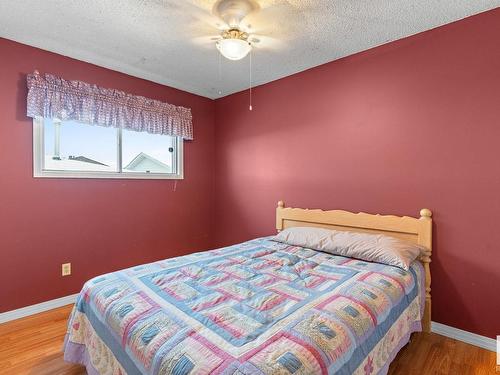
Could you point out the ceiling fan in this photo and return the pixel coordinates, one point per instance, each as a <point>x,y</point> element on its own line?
<point>234,43</point>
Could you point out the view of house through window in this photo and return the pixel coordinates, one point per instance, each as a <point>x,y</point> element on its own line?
<point>74,147</point>
<point>144,152</point>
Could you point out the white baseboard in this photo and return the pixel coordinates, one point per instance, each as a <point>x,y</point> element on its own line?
<point>38,308</point>
<point>465,336</point>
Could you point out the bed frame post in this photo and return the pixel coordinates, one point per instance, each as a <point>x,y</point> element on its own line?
<point>425,239</point>
<point>279,218</point>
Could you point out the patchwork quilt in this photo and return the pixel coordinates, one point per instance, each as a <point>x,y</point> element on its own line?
<point>260,307</point>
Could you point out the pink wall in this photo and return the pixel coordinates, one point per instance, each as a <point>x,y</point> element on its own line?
<point>97,225</point>
<point>408,125</point>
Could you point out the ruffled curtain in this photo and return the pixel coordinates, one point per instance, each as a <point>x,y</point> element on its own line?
<point>53,97</point>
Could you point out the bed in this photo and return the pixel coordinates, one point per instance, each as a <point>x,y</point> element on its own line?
<point>260,307</point>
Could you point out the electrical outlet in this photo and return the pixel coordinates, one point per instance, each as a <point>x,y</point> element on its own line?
<point>66,269</point>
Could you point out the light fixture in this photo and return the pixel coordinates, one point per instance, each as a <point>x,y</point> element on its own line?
<point>234,44</point>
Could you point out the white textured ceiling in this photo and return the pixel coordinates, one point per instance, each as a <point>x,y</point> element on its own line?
<point>169,42</point>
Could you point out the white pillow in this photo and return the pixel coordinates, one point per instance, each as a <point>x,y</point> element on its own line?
<point>370,247</point>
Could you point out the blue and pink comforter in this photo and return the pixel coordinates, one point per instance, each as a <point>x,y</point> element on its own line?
<point>260,307</point>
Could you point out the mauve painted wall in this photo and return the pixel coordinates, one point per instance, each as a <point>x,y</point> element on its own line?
<point>97,225</point>
<point>407,125</point>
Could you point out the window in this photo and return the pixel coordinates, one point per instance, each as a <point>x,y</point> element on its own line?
<point>75,150</point>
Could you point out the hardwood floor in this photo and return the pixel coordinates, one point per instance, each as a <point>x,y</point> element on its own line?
<point>33,345</point>
<point>430,353</point>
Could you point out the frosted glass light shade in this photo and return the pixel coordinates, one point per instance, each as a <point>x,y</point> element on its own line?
<point>233,49</point>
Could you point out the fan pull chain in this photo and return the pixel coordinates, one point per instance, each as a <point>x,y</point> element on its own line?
<point>250,106</point>
<point>220,73</point>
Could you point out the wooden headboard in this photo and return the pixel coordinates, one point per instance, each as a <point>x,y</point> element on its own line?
<point>416,230</point>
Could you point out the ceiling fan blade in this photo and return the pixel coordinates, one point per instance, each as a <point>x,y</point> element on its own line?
<point>234,11</point>
<point>207,41</point>
<point>266,28</point>
<point>264,42</point>
<point>277,20</point>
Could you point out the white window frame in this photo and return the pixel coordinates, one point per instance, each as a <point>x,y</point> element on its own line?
<point>39,156</point>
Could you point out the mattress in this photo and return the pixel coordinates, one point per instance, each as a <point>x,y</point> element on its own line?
<point>259,307</point>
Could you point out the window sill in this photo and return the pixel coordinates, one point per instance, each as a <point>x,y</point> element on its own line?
<point>108,175</point>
